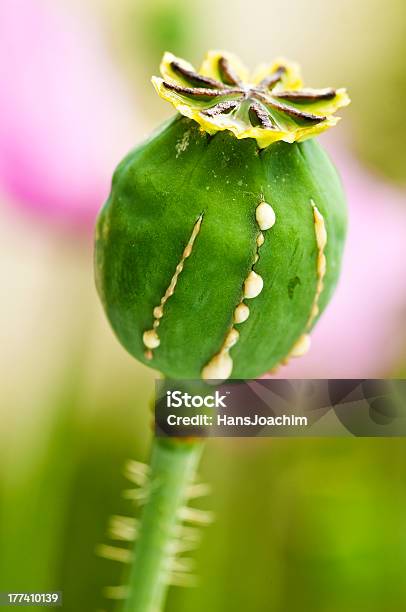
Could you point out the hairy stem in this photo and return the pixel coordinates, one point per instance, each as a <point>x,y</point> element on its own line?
<point>173,466</point>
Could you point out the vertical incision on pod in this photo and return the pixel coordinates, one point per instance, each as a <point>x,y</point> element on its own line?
<point>150,337</point>
<point>220,366</point>
<point>302,345</point>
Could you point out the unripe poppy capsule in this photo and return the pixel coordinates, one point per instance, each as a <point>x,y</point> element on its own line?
<point>220,244</point>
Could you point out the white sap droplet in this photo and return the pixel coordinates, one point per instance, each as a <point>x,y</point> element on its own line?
<point>241,313</point>
<point>150,339</point>
<point>218,368</point>
<point>231,339</point>
<point>321,265</point>
<point>321,240</point>
<point>260,239</point>
<point>253,285</point>
<point>301,347</point>
<point>158,312</point>
<point>320,228</point>
<point>265,216</point>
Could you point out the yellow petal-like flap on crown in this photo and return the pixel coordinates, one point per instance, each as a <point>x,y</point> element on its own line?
<point>269,105</point>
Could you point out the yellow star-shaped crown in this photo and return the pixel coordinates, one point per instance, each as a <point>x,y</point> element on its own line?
<point>269,105</point>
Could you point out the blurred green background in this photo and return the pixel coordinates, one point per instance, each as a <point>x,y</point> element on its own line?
<point>310,525</point>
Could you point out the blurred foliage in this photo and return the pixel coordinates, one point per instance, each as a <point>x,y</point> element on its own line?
<point>313,525</point>
<point>165,24</point>
<point>303,525</point>
<point>379,90</point>
<point>141,31</point>
<point>56,505</point>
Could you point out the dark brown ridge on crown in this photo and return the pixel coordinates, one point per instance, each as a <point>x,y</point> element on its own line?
<point>228,75</point>
<point>194,77</point>
<point>271,80</point>
<point>304,96</point>
<point>220,108</point>
<point>200,91</point>
<point>261,116</point>
<point>289,110</point>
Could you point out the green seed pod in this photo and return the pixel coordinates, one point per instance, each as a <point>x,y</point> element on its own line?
<point>221,241</point>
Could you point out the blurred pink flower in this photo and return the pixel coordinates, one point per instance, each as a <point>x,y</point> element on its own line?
<point>65,119</point>
<point>362,332</point>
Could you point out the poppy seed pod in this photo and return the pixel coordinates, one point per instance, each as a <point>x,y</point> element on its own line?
<point>220,244</point>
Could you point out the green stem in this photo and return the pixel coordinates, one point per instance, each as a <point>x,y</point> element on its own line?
<point>173,466</point>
